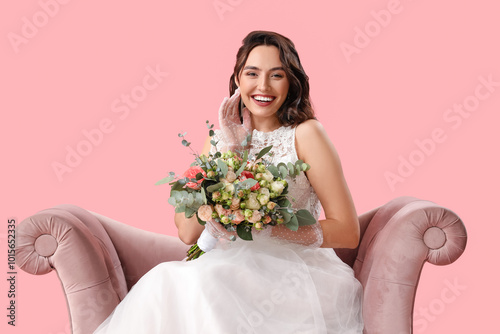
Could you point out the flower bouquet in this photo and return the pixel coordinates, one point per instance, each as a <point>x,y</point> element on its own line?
<point>237,190</point>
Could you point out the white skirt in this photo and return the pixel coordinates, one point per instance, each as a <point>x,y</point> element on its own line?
<point>241,287</point>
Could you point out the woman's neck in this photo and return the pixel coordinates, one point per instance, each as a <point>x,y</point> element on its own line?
<point>267,124</point>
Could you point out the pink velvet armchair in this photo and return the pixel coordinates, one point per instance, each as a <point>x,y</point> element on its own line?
<point>98,259</point>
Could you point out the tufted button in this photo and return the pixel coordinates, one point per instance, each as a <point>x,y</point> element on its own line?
<point>434,237</point>
<point>45,245</point>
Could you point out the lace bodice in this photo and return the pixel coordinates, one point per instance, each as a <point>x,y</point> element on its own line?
<point>300,191</point>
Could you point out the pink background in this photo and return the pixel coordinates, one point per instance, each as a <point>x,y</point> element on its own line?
<point>64,77</point>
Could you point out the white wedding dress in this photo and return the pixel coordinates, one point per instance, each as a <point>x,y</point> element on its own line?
<point>279,283</point>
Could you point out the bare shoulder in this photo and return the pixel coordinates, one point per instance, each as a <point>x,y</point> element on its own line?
<point>311,138</point>
<point>308,128</point>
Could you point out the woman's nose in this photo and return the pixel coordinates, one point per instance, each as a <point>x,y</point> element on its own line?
<point>263,84</point>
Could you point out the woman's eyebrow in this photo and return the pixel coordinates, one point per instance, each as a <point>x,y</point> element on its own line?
<point>249,67</point>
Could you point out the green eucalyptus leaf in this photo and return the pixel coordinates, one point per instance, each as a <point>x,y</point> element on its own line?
<point>298,166</point>
<point>200,221</point>
<point>263,152</point>
<point>291,168</point>
<point>176,194</point>
<point>244,232</point>
<point>286,216</point>
<point>246,184</point>
<point>247,139</point>
<point>305,218</point>
<point>189,212</point>
<point>284,203</point>
<point>165,180</point>
<point>274,170</point>
<point>176,186</point>
<point>293,224</point>
<point>203,195</point>
<point>189,200</point>
<point>180,208</point>
<point>283,170</point>
<point>245,158</point>
<point>215,187</point>
<point>243,163</point>
<point>223,167</point>
<point>211,133</point>
<point>241,169</point>
<point>172,201</point>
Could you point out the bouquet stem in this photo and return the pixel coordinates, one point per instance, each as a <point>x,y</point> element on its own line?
<point>194,252</point>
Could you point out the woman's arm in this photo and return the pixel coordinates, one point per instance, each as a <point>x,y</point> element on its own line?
<point>189,230</point>
<point>341,226</point>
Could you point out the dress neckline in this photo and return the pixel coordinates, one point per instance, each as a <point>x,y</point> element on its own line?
<point>283,127</point>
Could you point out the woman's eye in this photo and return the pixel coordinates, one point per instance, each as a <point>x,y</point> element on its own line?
<point>251,74</point>
<point>277,75</point>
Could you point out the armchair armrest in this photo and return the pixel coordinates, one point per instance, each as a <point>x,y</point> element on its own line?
<point>77,244</point>
<point>140,250</point>
<point>401,236</point>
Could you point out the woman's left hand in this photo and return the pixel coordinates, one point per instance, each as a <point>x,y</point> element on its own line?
<point>233,130</point>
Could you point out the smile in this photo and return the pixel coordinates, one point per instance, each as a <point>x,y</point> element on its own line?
<point>263,100</point>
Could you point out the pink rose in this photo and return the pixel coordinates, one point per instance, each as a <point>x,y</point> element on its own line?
<point>235,203</point>
<point>191,174</point>
<point>205,212</point>
<point>221,211</point>
<point>238,217</point>
<point>256,216</point>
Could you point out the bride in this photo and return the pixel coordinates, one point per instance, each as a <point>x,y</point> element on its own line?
<point>283,281</point>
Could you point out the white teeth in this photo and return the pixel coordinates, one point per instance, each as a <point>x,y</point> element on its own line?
<point>263,99</point>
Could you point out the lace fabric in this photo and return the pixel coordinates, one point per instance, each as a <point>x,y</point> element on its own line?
<point>300,191</point>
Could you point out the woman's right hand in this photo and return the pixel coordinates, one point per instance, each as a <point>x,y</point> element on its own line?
<point>217,230</point>
<point>234,132</point>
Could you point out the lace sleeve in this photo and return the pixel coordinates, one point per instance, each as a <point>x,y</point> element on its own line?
<point>311,235</point>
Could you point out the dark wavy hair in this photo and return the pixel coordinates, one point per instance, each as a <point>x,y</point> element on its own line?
<point>297,106</point>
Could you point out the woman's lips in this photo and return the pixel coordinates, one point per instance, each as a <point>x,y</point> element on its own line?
<point>263,100</point>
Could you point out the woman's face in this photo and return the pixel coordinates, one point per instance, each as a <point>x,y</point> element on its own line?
<point>263,82</point>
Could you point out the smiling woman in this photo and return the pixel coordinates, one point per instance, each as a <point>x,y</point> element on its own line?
<point>263,87</point>
<point>282,281</point>
<point>284,69</point>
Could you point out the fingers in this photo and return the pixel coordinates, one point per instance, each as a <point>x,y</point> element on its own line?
<point>229,108</point>
<point>218,231</point>
<point>232,108</point>
<point>222,110</point>
<point>247,120</point>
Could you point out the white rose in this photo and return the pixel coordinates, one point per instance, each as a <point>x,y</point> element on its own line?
<point>277,187</point>
<point>263,196</point>
<point>251,202</point>
<point>229,187</point>
<point>268,176</point>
